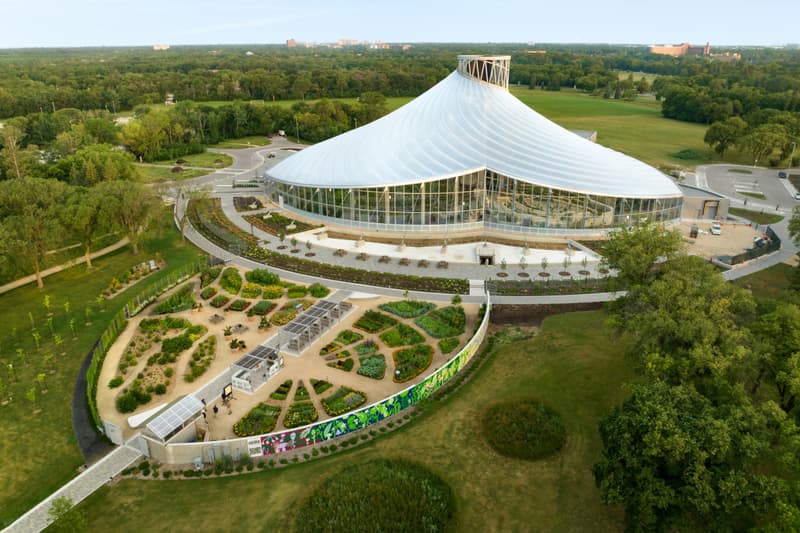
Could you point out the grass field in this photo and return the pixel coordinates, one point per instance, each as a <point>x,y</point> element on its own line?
<point>767,283</point>
<point>244,142</point>
<point>756,216</point>
<point>39,450</point>
<point>206,159</point>
<point>157,174</point>
<point>575,365</point>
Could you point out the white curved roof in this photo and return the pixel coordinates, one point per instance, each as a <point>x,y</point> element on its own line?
<point>462,125</point>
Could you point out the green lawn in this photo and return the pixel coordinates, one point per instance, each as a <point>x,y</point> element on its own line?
<point>767,283</point>
<point>40,453</point>
<point>206,159</point>
<point>157,174</point>
<point>244,142</point>
<point>575,365</point>
<point>756,216</point>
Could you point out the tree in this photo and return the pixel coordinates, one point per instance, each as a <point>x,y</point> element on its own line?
<point>128,206</point>
<point>83,215</point>
<point>11,155</point>
<point>761,142</point>
<point>66,518</point>
<point>678,462</point>
<point>777,342</point>
<point>633,250</point>
<point>722,135</point>
<point>29,219</point>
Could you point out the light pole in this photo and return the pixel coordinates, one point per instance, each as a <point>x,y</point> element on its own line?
<point>791,157</point>
<point>297,129</point>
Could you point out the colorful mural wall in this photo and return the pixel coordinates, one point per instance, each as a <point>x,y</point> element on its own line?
<point>372,414</point>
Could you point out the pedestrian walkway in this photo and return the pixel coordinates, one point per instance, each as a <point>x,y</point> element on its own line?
<point>58,268</point>
<point>79,488</point>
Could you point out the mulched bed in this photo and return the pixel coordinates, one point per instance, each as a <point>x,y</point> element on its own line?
<point>523,275</point>
<point>544,274</point>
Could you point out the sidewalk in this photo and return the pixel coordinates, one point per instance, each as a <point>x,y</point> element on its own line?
<point>58,268</point>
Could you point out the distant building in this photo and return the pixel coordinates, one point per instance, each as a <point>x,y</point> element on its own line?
<point>683,49</point>
<point>160,47</point>
<point>170,99</point>
<point>291,43</point>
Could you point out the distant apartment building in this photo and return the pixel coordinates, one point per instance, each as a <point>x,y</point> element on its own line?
<point>683,49</point>
<point>160,47</point>
<point>291,43</point>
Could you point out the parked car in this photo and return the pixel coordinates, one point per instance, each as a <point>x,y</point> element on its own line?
<point>783,174</point>
<point>716,229</point>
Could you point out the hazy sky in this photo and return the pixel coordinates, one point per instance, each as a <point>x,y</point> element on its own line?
<point>36,23</point>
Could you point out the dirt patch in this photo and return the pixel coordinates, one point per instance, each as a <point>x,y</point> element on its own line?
<point>533,315</point>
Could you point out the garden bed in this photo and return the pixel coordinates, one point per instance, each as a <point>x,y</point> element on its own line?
<point>373,366</point>
<point>367,347</point>
<point>239,305</point>
<point>343,400</point>
<point>320,385</point>
<point>348,336</point>
<point>220,301</point>
<point>329,348</point>
<point>444,322</point>
<point>402,335</point>
<point>374,322</point>
<point>231,280</point>
<point>208,292</point>
<point>449,344</point>
<point>180,300</point>
<point>346,364</point>
<point>301,393</point>
<point>282,391</point>
<point>411,362</point>
<point>201,359</point>
<point>261,419</point>
<point>208,276</point>
<point>300,414</point>
<point>275,223</point>
<point>407,308</point>
<point>262,308</point>
<point>251,290</point>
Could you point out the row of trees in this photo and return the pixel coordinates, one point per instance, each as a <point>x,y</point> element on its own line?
<point>36,213</point>
<point>708,439</point>
<point>760,135</point>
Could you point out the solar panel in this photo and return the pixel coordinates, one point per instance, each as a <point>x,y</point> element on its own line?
<point>175,416</point>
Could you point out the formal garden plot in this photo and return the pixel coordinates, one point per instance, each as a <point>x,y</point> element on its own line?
<point>261,419</point>
<point>348,336</point>
<point>445,322</point>
<point>374,322</point>
<point>251,290</point>
<point>345,364</point>
<point>407,308</point>
<point>378,495</point>
<point>180,300</point>
<point>296,291</point>
<point>320,385</point>
<point>449,344</point>
<point>301,393</point>
<point>201,359</point>
<point>411,362</point>
<point>220,301</point>
<point>231,281</point>
<point>330,348</point>
<point>367,347</point>
<point>402,335</point>
<point>300,414</point>
<point>262,308</point>
<point>338,355</point>
<point>272,292</point>
<point>208,292</point>
<point>132,276</point>
<point>149,334</point>
<point>318,290</point>
<point>239,305</point>
<point>282,391</point>
<point>209,275</point>
<point>523,429</point>
<point>278,224</point>
<point>343,400</point>
<point>263,277</point>
<point>373,366</point>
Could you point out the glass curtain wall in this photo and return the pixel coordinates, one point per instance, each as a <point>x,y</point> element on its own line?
<point>482,198</point>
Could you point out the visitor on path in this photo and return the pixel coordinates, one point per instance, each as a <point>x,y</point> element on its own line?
<point>216,410</point>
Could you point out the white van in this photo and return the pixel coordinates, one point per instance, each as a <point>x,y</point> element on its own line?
<point>716,229</point>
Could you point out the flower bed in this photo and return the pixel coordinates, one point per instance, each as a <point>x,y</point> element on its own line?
<point>180,300</point>
<point>348,336</point>
<point>320,385</point>
<point>300,414</point>
<point>246,203</point>
<point>374,321</point>
<point>207,217</point>
<point>283,317</point>
<point>133,275</point>
<point>330,348</point>
<point>275,223</point>
<point>220,301</point>
<point>261,419</point>
<point>251,290</point>
<point>208,276</point>
<point>448,345</point>
<point>272,292</point>
<point>343,400</point>
<point>366,348</point>
<point>343,364</point>
<point>262,276</point>
<point>402,335</point>
<point>373,366</point>
<point>445,322</point>
<point>411,362</point>
<point>239,305</point>
<point>407,308</point>
<point>282,391</point>
<point>318,290</point>
<point>201,359</point>
<point>208,292</point>
<point>301,393</point>
<point>231,281</point>
<point>262,308</point>
<point>296,291</point>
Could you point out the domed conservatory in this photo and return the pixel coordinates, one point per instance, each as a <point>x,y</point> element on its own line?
<point>467,155</point>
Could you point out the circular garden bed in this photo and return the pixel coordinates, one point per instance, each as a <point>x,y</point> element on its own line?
<point>523,275</point>
<point>564,273</point>
<point>523,429</point>
<point>378,495</point>
<point>544,274</point>
<point>310,254</point>
<point>584,272</point>
<point>502,274</point>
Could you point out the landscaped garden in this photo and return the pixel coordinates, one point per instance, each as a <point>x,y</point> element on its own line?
<point>282,391</point>
<point>411,362</point>
<point>443,322</point>
<point>343,400</point>
<point>374,322</point>
<point>300,414</point>
<point>277,224</point>
<point>373,366</point>
<point>407,308</point>
<point>201,359</point>
<point>261,419</point>
<point>348,336</point>
<point>401,335</point>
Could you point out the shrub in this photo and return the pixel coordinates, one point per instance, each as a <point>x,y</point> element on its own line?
<point>402,335</point>
<point>201,359</point>
<point>318,290</point>
<point>373,367</point>
<point>272,292</point>
<point>300,414</point>
<point>445,322</point>
<point>262,276</point>
<point>231,281</point>
<point>251,290</point>
<point>448,345</point>
<point>407,308</point>
<point>161,389</point>
<point>343,364</point>
<point>410,362</point>
<point>348,336</point>
<point>343,400</point>
<point>220,301</point>
<point>208,292</point>
<point>523,429</point>
<point>374,321</point>
<point>208,276</point>
<point>175,345</point>
<point>115,382</point>
<point>296,291</point>
<point>263,307</point>
<point>126,403</point>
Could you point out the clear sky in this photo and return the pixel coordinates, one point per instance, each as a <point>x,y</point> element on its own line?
<point>47,23</point>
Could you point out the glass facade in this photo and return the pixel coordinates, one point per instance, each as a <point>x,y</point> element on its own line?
<point>480,199</point>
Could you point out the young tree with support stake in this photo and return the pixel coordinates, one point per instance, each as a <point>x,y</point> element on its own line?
<point>130,207</point>
<point>83,215</point>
